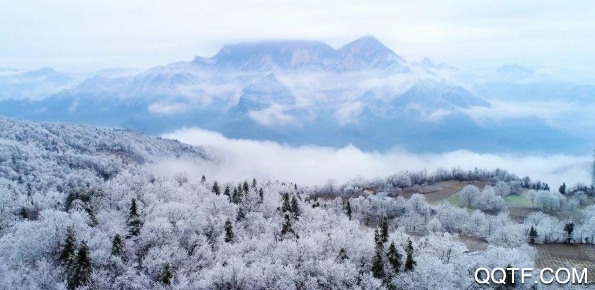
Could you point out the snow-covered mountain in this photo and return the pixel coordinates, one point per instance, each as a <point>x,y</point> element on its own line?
<point>366,53</point>
<point>304,92</point>
<point>34,85</point>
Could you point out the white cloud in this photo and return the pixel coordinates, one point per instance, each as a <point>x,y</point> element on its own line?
<point>242,159</point>
<point>274,114</point>
<point>573,118</point>
<point>348,113</point>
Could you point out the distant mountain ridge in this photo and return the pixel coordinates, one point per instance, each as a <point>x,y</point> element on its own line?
<point>366,53</point>
<point>303,92</point>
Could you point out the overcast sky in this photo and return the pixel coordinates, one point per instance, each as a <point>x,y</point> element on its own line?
<point>74,35</point>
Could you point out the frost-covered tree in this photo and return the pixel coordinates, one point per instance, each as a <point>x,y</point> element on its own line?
<point>469,194</point>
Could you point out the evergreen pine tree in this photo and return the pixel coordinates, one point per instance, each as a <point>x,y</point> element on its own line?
<point>215,188</point>
<point>295,187</point>
<point>117,245</point>
<point>235,197</point>
<point>92,218</point>
<point>562,188</point>
<point>254,184</point>
<point>384,230</point>
<point>295,209</point>
<point>394,257</point>
<point>286,206</point>
<point>378,264</point>
<point>203,180</point>
<point>227,191</point>
<point>532,235</point>
<point>261,194</point>
<point>377,239</point>
<point>409,262</point>
<point>246,188</point>
<point>241,215</point>
<point>508,281</point>
<point>79,273</point>
<point>166,275</point>
<point>348,209</point>
<point>229,236</point>
<point>569,228</point>
<point>286,227</point>
<point>67,253</point>
<point>343,255</point>
<point>23,213</point>
<point>134,223</point>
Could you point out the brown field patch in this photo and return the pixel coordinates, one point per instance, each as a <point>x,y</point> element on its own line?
<point>557,256</point>
<point>439,191</point>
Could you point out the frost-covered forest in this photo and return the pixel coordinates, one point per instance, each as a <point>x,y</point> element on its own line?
<point>80,210</point>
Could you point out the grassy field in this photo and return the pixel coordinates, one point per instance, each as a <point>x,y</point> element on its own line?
<point>518,201</point>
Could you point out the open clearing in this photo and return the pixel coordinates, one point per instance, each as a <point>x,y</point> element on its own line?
<point>441,191</point>
<point>556,256</point>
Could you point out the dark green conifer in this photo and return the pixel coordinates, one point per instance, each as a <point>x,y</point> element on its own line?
<point>295,209</point>
<point>117,245</point>
<point>215,188</point>
<point>286,206</point>
<point>384,230</point>
<point>378,265</point>
<point>245,187</point>
<point>166,275</point>
<point>79,272</point>
<point>227,191</point>
<point>134,222</point>
<point>229,235</point>
<point>409,262</point>
<point>394,257</point>
<point>348,210</point>
<point>67,253</point>
<point>343,255</point>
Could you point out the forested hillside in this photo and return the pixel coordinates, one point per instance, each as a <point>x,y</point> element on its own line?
<point>79,210</point>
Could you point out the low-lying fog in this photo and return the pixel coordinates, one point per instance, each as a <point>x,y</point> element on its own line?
<point>310,165</point>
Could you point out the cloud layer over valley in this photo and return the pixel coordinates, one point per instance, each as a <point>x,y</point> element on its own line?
<point>312,165</point>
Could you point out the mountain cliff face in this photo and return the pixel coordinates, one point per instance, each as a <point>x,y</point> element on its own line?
<point>299,92</point>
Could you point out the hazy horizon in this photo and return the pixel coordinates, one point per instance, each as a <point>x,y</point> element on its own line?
<point>476,36</point>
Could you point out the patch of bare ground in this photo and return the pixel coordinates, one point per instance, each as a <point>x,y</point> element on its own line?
<point>578,256</point>
<point>474,244</point>
<point>519,214</point>
<point>439,191</point>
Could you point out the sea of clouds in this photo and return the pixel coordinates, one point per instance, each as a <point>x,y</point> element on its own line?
<point>238,159</point>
